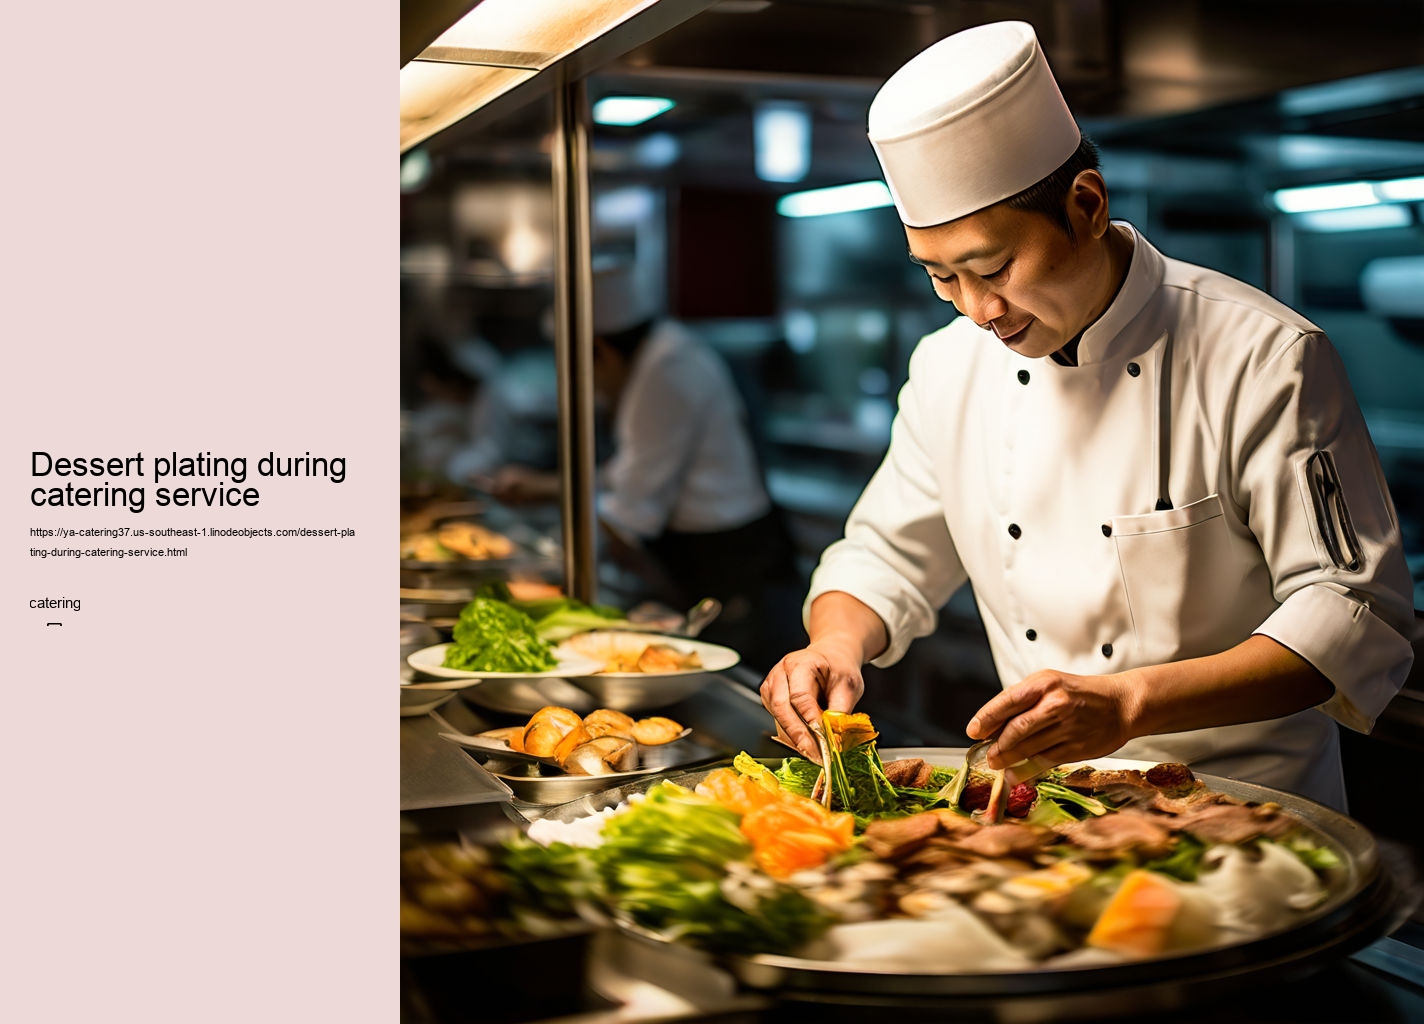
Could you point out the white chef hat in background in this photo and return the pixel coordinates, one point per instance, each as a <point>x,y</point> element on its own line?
<point>972,120</point>
<point>623,298</point>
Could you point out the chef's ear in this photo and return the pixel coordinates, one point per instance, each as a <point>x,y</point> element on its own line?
<point>1088,205</point>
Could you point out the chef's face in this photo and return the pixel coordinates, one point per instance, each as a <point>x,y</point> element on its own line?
<point>1019,274</point>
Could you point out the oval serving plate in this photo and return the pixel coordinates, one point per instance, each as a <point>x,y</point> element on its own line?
<point>714,657</point>
<point>644,691</point>
<point>430,660</point>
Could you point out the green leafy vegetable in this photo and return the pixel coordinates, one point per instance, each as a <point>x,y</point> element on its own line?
<point>1065,796</point>
<point>858,782</point>
<point>555,618</point>
<point>1047,813</point>
<point>798,775</point>
<point>676,862</point>
<point>491,636</point>
<point>553,881</point>
<point>1183,863</point>
<point>1314,856</point>
<point>747,765</point>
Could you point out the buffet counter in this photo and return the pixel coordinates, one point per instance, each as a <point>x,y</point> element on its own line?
<point>605,977</point>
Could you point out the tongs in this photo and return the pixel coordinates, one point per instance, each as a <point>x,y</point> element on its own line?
<point>953,790</point>
<point>822,789</point>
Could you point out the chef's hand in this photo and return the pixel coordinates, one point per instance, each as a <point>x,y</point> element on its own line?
<point>824,673</point>
<point>1057,718</point>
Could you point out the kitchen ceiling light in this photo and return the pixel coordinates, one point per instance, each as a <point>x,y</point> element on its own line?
<point>783,141</point>
<point>1348,195</point>
<point>1401,190</point>
<point>1360,218</point>
<point>627,111</point>
<point>498,45</point>
<point>818,202</point>
<point>1325,197</point>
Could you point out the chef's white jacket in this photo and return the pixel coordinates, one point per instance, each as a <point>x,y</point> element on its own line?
<point>1040,483</point>
<point>682,455</point>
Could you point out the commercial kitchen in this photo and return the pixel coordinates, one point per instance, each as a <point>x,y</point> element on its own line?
<point>706,165</point>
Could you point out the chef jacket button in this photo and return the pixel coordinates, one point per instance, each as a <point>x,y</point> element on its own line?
<point>1014,531</point>
<point>1023,376</point>
<point>1133,369</point>
<point>1032,634</point>
<point>1107,529</point>
<point>1107,650</point>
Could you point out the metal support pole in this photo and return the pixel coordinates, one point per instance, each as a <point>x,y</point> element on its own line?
<point>1280,259</point>
<point>573,340</point>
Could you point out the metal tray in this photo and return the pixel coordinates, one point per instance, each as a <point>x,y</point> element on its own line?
<point>1364,903</point>
<point>657,762</point>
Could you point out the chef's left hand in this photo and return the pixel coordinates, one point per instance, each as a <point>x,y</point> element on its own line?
<point>1057,718</point>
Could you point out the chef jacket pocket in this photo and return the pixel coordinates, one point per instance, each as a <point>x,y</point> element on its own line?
<point>1178,575</point>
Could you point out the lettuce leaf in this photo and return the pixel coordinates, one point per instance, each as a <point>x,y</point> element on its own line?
<point>676,863</point>
<point>555,618</point>
<point>491,636</point>
<point>1066,797</point>
<point>798,775</point>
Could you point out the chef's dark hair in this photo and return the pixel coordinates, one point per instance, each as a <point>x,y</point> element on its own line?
<point>1049,196</point>
<point>626,341</point>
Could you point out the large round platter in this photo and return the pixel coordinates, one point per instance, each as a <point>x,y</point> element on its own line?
<point>1363,904</point>
<point>430,660</point>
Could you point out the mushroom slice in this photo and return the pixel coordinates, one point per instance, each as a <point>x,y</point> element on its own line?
<point>576,737</point>
<point>656,731</point>
<point>602,756</point>
<point>513,736</point>
<point>606,721</point>
<point>547,728</point>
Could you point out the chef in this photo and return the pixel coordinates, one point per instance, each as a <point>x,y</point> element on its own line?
<point>1155,476</point>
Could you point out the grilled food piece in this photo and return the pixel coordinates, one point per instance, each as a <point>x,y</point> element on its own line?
<point>655,731</point>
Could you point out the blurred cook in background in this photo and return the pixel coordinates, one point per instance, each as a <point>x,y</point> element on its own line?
<point>682,498</point>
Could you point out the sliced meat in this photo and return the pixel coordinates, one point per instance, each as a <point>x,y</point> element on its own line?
<point>892,838</point>
<point>937,852</point>
<point>1172,779</point>
<point>1128,794</point>
<point>1124,832</point>
<point>1127,787</point>
<point>909,772</point>
<point>1200,797</point>
<point>1234,823</point>
<point>1021,841</point>
<point>954,824</point>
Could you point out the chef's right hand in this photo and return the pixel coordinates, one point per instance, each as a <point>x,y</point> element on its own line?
<point>826,673</point>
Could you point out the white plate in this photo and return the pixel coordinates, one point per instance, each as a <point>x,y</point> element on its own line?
<point>714,657</point>
<point>430,660</point>
<point>422,703</point>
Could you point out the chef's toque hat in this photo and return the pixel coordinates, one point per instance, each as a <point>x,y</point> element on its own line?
<point>622,299</point>
<point>974,119</point>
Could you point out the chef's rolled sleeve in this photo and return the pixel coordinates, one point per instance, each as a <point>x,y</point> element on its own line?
<point>1352,621</point>
<point>897,557</point>
<point>1362,655</point>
